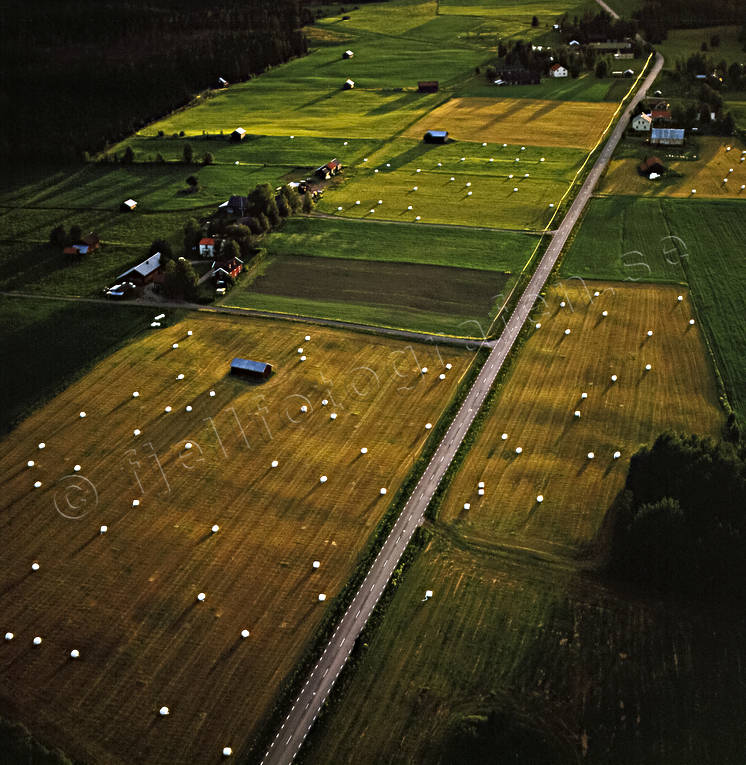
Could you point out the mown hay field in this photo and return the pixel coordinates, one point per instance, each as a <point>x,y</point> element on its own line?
<point>536,411</point>
<point>604,677</point>
<point>454,301</point>
<point>127,599</point>
<point>537,122</point>
<point>706,175</point>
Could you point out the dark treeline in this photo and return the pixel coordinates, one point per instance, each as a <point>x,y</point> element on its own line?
<point>658,16</point>
<point>82,74</point>
<point>682,522</point>
<point>597,27</point>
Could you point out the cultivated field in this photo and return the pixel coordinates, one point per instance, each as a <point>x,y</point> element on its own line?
<point>519,120</point>
<point>547,10</point>
<point>587,87</point>
<point>543,391</point>
<point>455,301</point>
<point>391,242</point>
<point>682,43</point>
<point>127,600</point>
<point>706,174</point>
<point>698,241</point>
<point>603,677</point>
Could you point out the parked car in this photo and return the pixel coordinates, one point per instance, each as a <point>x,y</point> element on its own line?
<point>119,291</point>
<point>220,287</point>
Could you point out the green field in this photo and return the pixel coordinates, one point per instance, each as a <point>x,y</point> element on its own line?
<point>46,344</point>
<point>700,242</point>
<point>584,88</point>
<point>389,242</point>
<point>404,295</point>
<point>682,43</point>
<point>548,11</point>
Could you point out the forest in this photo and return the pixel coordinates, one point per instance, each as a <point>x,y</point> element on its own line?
<point>81,75</point>
<point>658,16</point>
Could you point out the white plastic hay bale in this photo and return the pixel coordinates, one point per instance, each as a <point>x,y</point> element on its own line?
<point>538,325</point>
<point>441,376</point>
<point>519,450</point>
<point>562,304</point>
<point>307,338</point>
<point>324,402</point>
<point>428,594</point>
<point>727,148</point>
<point>75,654</point>
<point>304,408</point>
<point>82,415</point>
<point>584,395</point>
<point>492,159</point>
<point>424,370</point>
<point>30,463</point>
<point>345,143</point>
<point>617,455</point>
<point>36,640</point>
<point>316,564</point>
<point>480,492</point>
<point>515,188</point>
<point>504,436</point>
<point>135,503</point>
<point>388,164</point>
<point>227,751</point>
<point>505,146</point>
<point>694,191</point>
<point>463,159</point>
<point>591,455</point>
<point>449,365</point>
<point>135,394</point>
<point>743,186</point>
<point>650,333</point>
<point>614,378</point>
<point>215,528</point>
<point>76,468</point>
<point>468,193</point>
<point>42,445</point>
<point>9,636</point>
<point>730,169</point>
<point>103,530</point>
<point>452,178</point>
<point>440,164</point>
<point>380,201</point>
<point>467,506</point>
<point>577,413</point>
<point>180,376</point>
<point>604,314</point>
<point>510,177</point>
<point>540,498</point>
<point>333,416</point>
<point>523,148</point>
<point>37,484</point>
<point>567,331</point>
<point>167,409</point>
<point>323,479</point>
<point>484,144</point>
<point>414,188</point>
<point>691,322</point>
<point>526,175</point>
<point>551,204</point>
<point>201,597</point>
<point>340,208</point>
<point>245,633</point>
<point>189,333</point>
<point>468,184</point>
<point>480,485</point>
<point>596,293</point>
<point>376,170</point>
<point>275,463</point>
<point>428,425</point>
<point>175,346</point>
<point>648,367</point>
<point>300,350</point>
<point>136,432</point>
<point>409,207</point>
<point>680,298</point>
<point>302,358</point>
<point>383,490</point>
<point>188,407</point>
<point>364,450</point>
<point>417,217</point>
<point>164,711</point>
<point>357,201</point>
<point>542,159</point>
<point>322,597</point>
<point>35,566</point>
<point>188,445</point>
<point>371,210</point>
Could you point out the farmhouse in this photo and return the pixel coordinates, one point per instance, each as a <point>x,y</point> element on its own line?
<point>144,273</point>
<point>232,267</point>
<point>642,123</point>
<point>255,370</point>
<point>667,136</point>
<point>428,86</point>
<point>236,205</point>
<point>517,76</point>
<point>557,70</point>
<point>325,172</point>
<point>128,205</point>
<point>348,84</point>
<point>348,54</point>
<point>207,247</point>
<point>435,136</point>
<point>651,167</point>
<point>238,134</point>
<point>661,114</point>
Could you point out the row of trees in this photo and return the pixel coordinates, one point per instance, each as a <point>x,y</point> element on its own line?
<point>596,27</point>
<point>125,64</point>
<point>656,17</point>
<point>682,521</point>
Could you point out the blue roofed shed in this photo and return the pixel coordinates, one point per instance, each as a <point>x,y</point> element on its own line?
<point>435,136</point>
<point>258,370</point>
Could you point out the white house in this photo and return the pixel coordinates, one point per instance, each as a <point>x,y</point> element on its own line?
<point>557,70</point>
<point>207,247</point>
<point>642,123</point>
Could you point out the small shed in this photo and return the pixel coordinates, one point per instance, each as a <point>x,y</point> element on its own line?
<point>348,54</point>
<point>629,72</point>
<point>222,82</point>
<point>348,84</point>
<point>254,370</point>
<point>428,86</point>
<point>238,134</point>
<point>128,205</point>
<point>207,247</point>
<point>435,136</point>
<point>651,165</point>
<point>574,42</point>
<point>642,123</point>
<point>557,70</point>
<point>667,136</point>
<point>91,241</point>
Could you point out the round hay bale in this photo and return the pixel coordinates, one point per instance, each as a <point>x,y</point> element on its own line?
<point>245,633</point>
<point>35,566</point>
<point>164,711</point>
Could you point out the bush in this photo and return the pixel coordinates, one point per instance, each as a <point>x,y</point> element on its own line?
<point>188,153</point>
<point>208,158</point>
<point>58,236</point>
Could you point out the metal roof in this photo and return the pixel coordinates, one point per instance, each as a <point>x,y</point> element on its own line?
<point>144,268</point>
<point>667,134</point>
<point>249,366</point>
<point>438,133</point>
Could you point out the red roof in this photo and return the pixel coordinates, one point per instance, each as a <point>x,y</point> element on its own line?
<point>662,114</point>
<point>555,67</point>
<point>207,241</point>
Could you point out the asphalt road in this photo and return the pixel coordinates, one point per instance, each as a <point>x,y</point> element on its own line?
<point>305,709</point>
